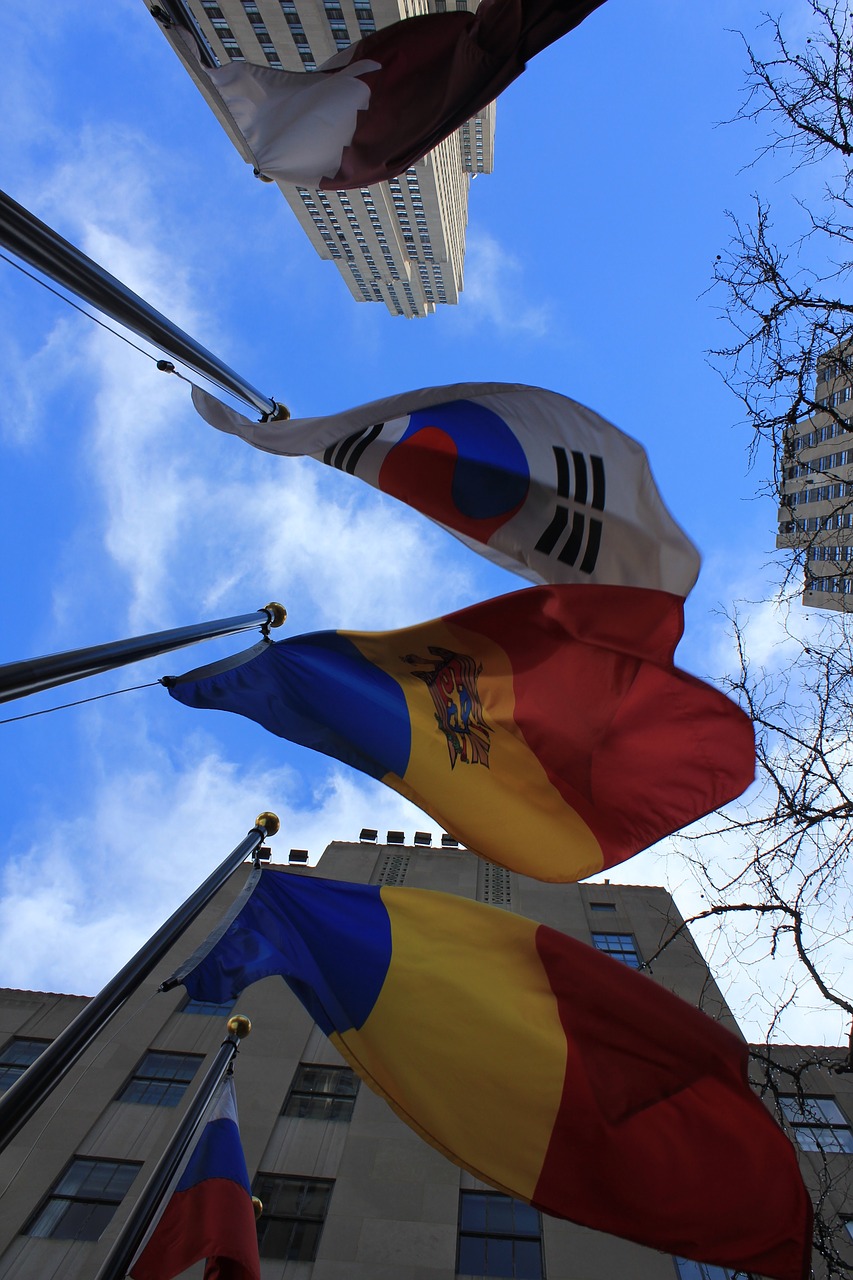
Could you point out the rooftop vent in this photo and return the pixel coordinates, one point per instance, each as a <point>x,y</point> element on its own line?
<point>298,855</point>
<point>368,833</point>
<point>423,837</point>
<point>396,837</point>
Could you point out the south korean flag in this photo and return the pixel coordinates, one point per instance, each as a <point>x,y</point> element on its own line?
<point>529,478</point>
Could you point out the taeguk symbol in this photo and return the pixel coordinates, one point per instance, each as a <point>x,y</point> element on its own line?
<point>461,464</point>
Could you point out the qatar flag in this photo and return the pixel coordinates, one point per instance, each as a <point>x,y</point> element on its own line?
<point>532,480</point>
<point>375,108</point>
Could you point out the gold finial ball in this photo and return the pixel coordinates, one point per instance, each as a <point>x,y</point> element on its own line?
<point>269,822</point>
<point>277,612</point>
<point>239,1025</point>
<point>258,1206</point>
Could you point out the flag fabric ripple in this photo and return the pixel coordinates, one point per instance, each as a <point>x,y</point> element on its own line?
<point>540,1065</point>
<point>381,104</point>
<point>548,729</point>
<point>210,1214</point>
<point>529,478</point>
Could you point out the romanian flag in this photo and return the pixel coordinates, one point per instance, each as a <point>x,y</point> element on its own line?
<point>210,1214</point>
<point>532,480</point>
<point>545,1068</point>
<point>381,104</point>
<point>548,730</point>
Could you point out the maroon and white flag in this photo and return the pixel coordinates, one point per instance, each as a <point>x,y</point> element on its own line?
<point>375,108</point>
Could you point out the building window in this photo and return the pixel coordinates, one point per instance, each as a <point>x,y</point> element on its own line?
<point>207,1007</point>
<point>688,1270</point>
<point>16,1056</point>
<point>393,868</point>
<point>294,1212</point>
<point>621,946</point>
<point>495,885</point>
<point>819,1124</point>
<point>498,1236</point>
<point>83,1200</point>
<point>322,1093</point>
<point>161,1079</point>
<point>602,906</point>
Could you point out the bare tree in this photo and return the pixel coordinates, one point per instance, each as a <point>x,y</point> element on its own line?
<point>790,303</point>
<point>776,874</point>
<point>776,871</point>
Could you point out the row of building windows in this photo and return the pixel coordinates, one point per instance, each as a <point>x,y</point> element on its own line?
<point>364,17</point>
<point>497,1235</point>
<point>817,524</point>
<point>833,586</point>
<point>831,553</point>
<point>827,463</point>
<point>297,32</point>
<point>263,36</point>
<point>819,435</point>
<point>841,396</point>
<point>819,493</point>
<point>833,368</point>
<point>223,32</point>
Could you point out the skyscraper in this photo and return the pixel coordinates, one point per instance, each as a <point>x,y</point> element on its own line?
<point>816,511</point>
<point>402,242</point>
<point>350,1192</point>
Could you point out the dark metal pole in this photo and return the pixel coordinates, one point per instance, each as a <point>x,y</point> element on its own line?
<point>43,248</point>
<point>123,1253</point>
<point>34,674</point>
<point>30,1090</point>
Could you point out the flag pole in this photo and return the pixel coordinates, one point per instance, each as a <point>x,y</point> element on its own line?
<point>31,1089</point>
<point>31,675</point>
<point>123,1253</point>
<point>24,235</point>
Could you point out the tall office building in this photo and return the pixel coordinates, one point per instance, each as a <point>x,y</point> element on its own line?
<point>400,242</point>
<point>349,1192</point>
<point>816,511</point>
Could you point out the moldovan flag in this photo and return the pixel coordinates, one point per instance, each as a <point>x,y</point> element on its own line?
<point>530,479</point>
<point>210,1214</point>
<point>376,107</point>
<point>547,729</point>
<point>543,1067</point>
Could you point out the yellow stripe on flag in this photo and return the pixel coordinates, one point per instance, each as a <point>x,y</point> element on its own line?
<point>433,1036</point>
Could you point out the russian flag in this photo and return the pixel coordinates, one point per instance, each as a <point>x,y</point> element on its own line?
<point>210,1214</point>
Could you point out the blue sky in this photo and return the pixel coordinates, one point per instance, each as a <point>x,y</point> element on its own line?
<point>590,252</point>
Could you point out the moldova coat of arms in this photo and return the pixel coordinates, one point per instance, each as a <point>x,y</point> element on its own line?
<point>452,682</point>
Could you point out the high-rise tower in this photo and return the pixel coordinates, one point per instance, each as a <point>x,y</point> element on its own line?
<point>400,242</point>
<point>816,511</point>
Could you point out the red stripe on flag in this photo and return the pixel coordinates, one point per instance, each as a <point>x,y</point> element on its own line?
<point>659,1138</point>
<point>641,748</point>
<point>212,1220</point>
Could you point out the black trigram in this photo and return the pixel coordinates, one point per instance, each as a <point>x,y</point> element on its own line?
<point>345,454</point>
<point>585,529</point>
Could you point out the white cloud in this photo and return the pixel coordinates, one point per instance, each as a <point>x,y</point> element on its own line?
<point>494,291</point>
<point>182,506</point>
<point>152,832</point>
